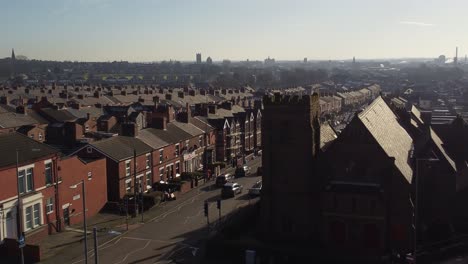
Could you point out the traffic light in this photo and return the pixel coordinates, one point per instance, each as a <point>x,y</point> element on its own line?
<point>206,208</point>
<point>218,204</point>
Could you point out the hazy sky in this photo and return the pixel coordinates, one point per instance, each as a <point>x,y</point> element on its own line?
<point>153,30</point>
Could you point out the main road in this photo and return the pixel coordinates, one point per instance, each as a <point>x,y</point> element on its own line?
<point>173,236</point>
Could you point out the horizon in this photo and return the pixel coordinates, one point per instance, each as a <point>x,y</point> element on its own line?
<point>103,30</point>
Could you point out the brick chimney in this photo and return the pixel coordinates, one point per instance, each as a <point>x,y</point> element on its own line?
<point>156,100</point>
<point>168,96</point>
<point>180,94</point>
<point>80,96</point>
<point>192,92</point>
<point>123,92</point>
<point>212,109</point>
<point>129,129</point>
<point>97,94</point>
<point>223,91</point>
<point>202,92</point>
<point>141,99</point>
<point>159,123</point>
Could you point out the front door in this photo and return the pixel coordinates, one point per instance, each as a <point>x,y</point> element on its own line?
<point>66,216</point>
<point>11,224</point>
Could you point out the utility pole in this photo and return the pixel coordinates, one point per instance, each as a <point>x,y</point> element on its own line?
<point>141,200</point>
<point>96,258</point>
<point>84,221</point>
<point>18,211</point>
<point>135,182</point>
<point>218,204</point>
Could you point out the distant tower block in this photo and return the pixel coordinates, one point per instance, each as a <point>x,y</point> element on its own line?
<point>305,60</point>
<point>198,58</point>
<point>13,57</point>
<point>209,60</point>
<point>354,60</point>
<point>455,60</point>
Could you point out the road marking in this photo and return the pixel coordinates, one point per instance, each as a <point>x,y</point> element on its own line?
<point>136,250</point>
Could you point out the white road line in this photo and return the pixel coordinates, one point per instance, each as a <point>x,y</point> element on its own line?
<point>136,250</point>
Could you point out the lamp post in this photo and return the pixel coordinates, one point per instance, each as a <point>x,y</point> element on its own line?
<point>83,191</point>
<point>416,213</point>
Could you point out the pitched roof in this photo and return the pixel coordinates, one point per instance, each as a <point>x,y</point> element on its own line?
<point>383,125</point>
<point>28,149</point>
<point>151,139</point>
<point>172,134</point>
<point>119,148</point>
<point>327,135</point>
<point>59,115</point>
<point>9,120</point>
<point>438,142</point>
<point>189,128</point>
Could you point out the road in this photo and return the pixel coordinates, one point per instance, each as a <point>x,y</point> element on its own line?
<point>175,235</point>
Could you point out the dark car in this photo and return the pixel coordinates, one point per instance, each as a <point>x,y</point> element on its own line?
<point>222,179</point>
<point>259,171</point>
<point>240,172</point>
<point>230,189</point>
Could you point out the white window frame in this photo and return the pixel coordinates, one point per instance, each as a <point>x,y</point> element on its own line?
<point>25,170</point>
<point>148,160</point>
<point>46,163</point>
<point>128,168</point>
<point>40,136</point>
<point>90,175</point>
<point>29,202</point>
<point>149,175</point>
<point>161,173</point>
<point>128,188</point>
<point>161,156</point>
<point>177,150</point>
<point>49,205</point>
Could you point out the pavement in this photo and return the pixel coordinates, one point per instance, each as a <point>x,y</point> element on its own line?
<point>173,232</point>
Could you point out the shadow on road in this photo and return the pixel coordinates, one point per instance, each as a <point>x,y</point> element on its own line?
<point>144,259</point>
<point>244,197</point>
<point>214,198</point>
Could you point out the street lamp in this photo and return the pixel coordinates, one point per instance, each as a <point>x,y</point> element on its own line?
<point>416,214</point>
<point>83,190</point>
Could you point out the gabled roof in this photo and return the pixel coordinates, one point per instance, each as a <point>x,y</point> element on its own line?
<point>383,125</point>
<point>59,115</point>
<point>28,149</point>
<point>189,128</point>
<point>439,144</point>
<point>151,139</point>
<point>172,134</point>
<point>327,135</point>
<point>120,148</point>
<point>10,120</point>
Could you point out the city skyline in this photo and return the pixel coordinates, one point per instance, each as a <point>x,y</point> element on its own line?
<point>102,30</point>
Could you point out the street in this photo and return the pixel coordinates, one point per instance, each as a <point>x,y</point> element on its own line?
<point>173,235</point>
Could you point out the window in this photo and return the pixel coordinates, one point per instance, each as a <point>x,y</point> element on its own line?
<point>28,217</point>
<point>21,181</point>
<point>90,175</point>
<point>31,136</point>
<point>161,156</point>
<point>149,179</point>
<point>148,161</point>
<point>127,168</point>
<point>187,144</point>
<point>29,180</point>
<point>161,174</point>
<point>177,149</point>
<point>48,173</point>
<point>40,136</point>
<point>177,168</point>
<point>200,141</point>
<point>37,214</point>
<point>49,205</point>
<point>128,185</point>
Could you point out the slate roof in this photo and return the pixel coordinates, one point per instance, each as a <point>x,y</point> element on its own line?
<point>383,125</point>
<point>11,120</point>
<point>59,115</point>
<point>28,149</point>
<point>189,128</point>
<point>150,138</point>
<point>327,135</point>
<point>120,148</point>
<point>172,134</point>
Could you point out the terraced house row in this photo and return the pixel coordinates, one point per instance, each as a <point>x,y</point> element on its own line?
<point>114,146</point>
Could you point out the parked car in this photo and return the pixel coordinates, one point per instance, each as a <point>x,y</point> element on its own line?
<point>230,189</point>
<point>247,170</point>
<point>222,179</point>
<point>259,171</point>
<point>256,189</point>
<point>240,172</point>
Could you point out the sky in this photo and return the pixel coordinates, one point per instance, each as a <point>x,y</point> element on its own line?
<point>156,30</point>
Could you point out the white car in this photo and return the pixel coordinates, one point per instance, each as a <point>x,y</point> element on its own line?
<point>256,189</point>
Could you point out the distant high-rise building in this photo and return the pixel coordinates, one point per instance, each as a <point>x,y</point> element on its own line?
<point>13,62</point>
<point>198,58</point>
<point>354,60</point>
<point>455,60</point>
<point>305,60</point>
<point>209,60</point>
<point>269,62</point>
<point>13,57</point>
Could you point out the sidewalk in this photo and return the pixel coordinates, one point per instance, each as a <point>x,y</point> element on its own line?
<point>110,226</point>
